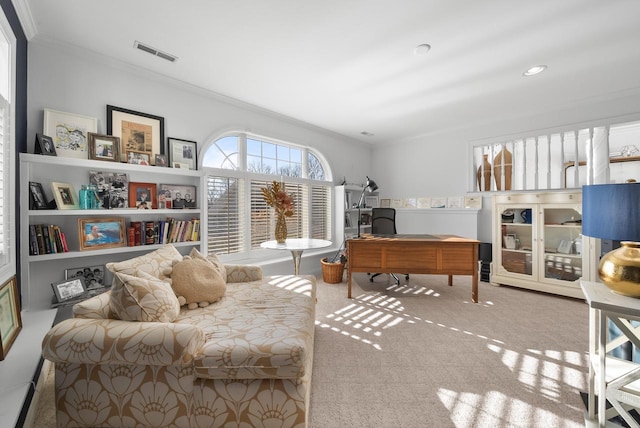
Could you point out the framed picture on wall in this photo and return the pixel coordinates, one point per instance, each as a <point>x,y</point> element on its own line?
<point>138,132</point>
<point>96,233</point>
<point>70,132</point>
<point>10,321</point>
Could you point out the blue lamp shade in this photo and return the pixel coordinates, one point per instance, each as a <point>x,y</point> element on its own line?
<point>611,211</point>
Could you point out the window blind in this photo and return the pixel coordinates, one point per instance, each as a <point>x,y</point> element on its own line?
<point>4,177</point>
<point>224,220</point>
<point>320,212</point>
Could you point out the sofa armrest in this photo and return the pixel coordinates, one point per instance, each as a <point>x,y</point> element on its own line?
<point>92,341</point>
<point>96,307</point>
<point>243,273</point>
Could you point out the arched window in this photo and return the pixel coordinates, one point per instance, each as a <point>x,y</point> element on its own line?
<point>237,167</point>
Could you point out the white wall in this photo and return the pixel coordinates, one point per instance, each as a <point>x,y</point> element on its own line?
<point>439,165</point>
<point>82,82</point>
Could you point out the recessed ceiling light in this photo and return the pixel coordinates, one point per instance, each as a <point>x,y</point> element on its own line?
<point>421,49</point>
<point>367,134</point>
<point>535,70</point>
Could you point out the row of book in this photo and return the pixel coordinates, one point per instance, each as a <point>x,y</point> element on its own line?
<point>46,239</point>
<point>163,231</point>
<point>49,239</point>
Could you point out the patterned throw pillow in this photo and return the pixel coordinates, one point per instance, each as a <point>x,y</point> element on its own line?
<point>154,263</point>
<point>142,298</point>
<point>212,258</point>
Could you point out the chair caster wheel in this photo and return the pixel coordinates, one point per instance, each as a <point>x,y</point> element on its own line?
<point>406,277</point>
<point>371,279</point>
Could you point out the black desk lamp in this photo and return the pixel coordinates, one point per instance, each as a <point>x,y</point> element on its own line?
<point>370,186</point>
<point>612,211</point>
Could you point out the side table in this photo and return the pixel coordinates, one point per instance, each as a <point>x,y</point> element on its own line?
<point>611,379</point>
<point>296,246</point>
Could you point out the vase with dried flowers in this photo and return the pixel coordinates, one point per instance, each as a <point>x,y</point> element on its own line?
<point>275,196</point>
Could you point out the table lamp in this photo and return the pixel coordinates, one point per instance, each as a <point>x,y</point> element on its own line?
<point>612,211</point>
<point>370,186</point>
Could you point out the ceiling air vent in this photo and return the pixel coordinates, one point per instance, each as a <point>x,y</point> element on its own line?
<point>154,51</point>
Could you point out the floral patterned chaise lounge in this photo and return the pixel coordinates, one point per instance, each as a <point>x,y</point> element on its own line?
<point>243,361</point>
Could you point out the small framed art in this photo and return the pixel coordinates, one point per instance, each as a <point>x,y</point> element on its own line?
<point>10,321</point>
<point>70,132</point>
<point>161,160</point>
<point>37,196</point>
<point>97,233</point>
<point>104,147</point>
<point>68,289</point>
<point>93,276</point>
<point>138,158</point>
<point>371,202</point>
<point>143,195</point>
<point>65,196</point>
<point>178,196</point>
<point>140,132</point>
<point>44,145</point>
<point>183,152</point>
<point>385,203</point>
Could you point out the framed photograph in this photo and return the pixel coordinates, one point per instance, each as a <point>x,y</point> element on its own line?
<point>423,202</point>
<point>143,195</point>
<point>65,196</point>
<point>510,242</point>
<point>161,160</point>
<point>104,147</point>
<point>44,145</point>
<point>177,196</point>
<point>137,131</point>
<point>113,188</point>
<point>38,199</point>
<point>410,203</point>
<point>371,202</point>
<point>397,203</point>
<point>180,165</point>
<point>473,202</point>
<point>183,152</point>
<point>97,233</point>
<point>10,321</point>
<point>385,203</point>
<point>68,289</point>
<point>438,202</point>
<point>93,276</point>
<point>70,132</point>
<point>138,158</point>
<point>454,202</point>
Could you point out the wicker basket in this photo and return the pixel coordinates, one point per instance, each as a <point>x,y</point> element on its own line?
<point>331,272</point>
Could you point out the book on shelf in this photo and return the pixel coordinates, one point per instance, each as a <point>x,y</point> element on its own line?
<point>46,239</point>
<point>148,232</point>
<point>33,240</point>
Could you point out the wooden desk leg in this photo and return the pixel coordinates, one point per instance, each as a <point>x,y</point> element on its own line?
<point>348,283</point>
<point>474,286</point>
<point>450,280</point>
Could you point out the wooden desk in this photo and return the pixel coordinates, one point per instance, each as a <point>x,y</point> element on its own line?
<point>422,254</point>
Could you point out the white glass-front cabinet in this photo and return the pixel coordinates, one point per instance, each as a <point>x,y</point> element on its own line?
<point>537,242</point>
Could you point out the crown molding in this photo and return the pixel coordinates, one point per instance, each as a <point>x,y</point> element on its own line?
<point>26,18</point>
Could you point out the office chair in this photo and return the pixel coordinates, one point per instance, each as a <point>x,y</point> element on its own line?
<point>383,222</point>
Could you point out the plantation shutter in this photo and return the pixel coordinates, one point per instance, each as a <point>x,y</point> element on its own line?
<point>4,178</point>
<point>224,215</point>
<point>320,212</point>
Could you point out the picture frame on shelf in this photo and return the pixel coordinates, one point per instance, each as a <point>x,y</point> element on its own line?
<point>385,203</point>
<point>161,161</point>
<point>423,202</point>
<point>410,203</point>
<point>138,158</point>
<point>180,165</point>
<point>565,246</point>
<point>184,152</point>
<point>180,196</point>
<point>438,202</point>
<point>454,202</point>
<point>65,196</point>
<point>138,131</point>
<point>113,188</point>
<point>10,319</point>
<point>371,202</point>
<point>98,233</point>
<point>93,276</point>
<point>143,195</point>
<point>68,289</point>
<point>44,146</point>
<point>473,202</point>
<point>38,199</point>
<point>70,132</point>
<point>104,147</point>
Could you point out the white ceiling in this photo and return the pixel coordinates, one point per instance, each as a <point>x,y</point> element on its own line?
<point>348,65</point>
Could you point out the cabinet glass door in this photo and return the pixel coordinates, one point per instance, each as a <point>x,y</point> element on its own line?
<point>517,239</point>
<point>561,235</point>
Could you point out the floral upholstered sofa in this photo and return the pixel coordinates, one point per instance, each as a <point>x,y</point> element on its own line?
<point>243,361</point>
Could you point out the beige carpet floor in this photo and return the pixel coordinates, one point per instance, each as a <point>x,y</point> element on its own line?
<point>423,356</point>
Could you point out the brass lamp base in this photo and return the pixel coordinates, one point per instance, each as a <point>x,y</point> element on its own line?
<point>620,269</point>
